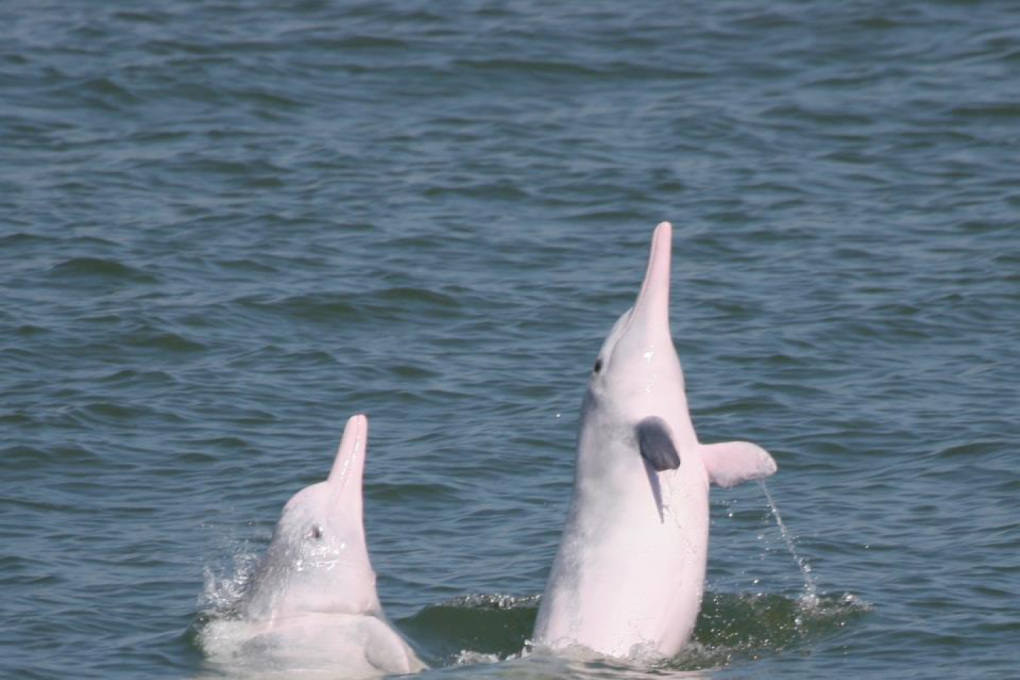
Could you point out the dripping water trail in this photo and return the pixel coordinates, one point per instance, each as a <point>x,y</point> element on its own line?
<point>810,589</point>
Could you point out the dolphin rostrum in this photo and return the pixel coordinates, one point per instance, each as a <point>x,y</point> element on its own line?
<point>629,575</point>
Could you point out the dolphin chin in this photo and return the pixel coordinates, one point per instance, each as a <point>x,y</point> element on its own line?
<point>312,603</point>
<point>629,575</point>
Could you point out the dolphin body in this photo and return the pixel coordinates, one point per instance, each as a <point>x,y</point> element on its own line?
<point>628,578</point>
<point>312,604</point>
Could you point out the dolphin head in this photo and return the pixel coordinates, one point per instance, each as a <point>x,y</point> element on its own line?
<point>637,373</point>
<point>318,559</point>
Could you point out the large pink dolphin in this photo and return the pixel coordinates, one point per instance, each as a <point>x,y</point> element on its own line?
<point>629,575</point>
<point>312,605</point>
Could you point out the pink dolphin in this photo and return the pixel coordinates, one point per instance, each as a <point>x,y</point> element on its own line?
<point>629,575</point>
<point>313,605</point>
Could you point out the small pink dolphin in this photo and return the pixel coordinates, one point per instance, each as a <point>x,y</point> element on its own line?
<point>312,605</point>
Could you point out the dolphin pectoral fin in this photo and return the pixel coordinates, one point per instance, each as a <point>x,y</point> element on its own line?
<point>731,463</point>
<point>386,650</point>
<point>656,444</point>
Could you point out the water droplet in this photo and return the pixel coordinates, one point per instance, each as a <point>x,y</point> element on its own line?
<point>810,590</point>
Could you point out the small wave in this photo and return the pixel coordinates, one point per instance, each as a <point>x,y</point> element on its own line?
<point>111,412</point>
<point>495,601</point>
<point>548,68</point>
<point>337,307</point>
<point>22,238</point>
<point>248,265</point>
<point>354,43</point>
<point>98,268</point>
<point>466,657</point>
<point>429,298</point>
<point>328,307</point>
<point>127,376</point>
<point>100,93</point>
<point>169,341</point>
<point>28,457</point>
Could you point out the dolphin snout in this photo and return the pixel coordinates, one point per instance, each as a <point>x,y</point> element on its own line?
<point>653,300</point>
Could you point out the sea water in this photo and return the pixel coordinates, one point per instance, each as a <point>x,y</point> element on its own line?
<point>227,226</point>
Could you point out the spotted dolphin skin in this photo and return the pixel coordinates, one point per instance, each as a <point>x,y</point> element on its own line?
<point>312,604</point>
<point>628,578</point>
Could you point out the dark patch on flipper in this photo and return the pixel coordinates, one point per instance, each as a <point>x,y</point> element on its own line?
<point>656,444</point>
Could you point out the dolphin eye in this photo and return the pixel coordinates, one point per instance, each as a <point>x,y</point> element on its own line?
<point>598,365</point>
<point>315,533</point>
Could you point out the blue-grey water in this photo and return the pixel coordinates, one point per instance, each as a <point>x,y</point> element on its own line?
<point>227,226</point>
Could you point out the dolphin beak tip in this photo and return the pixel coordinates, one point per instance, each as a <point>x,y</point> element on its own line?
<point>352,449</point>
<point>356,429</point>
<point>654,293</point>
<point>662,239</point>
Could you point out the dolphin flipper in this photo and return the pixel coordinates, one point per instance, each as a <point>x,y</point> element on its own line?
<point>386,650</point>
<point>731,463</point>
<point>656,444</point>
